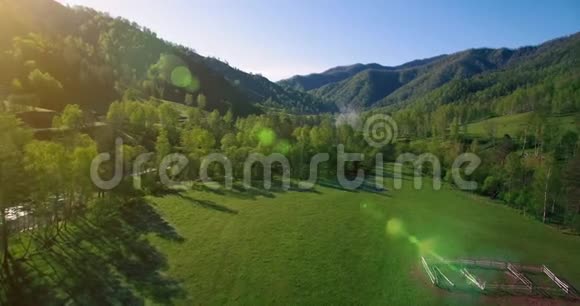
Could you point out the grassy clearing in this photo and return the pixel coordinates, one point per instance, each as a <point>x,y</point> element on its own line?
<point>331,246</point>
<point>328,246</point>
<point>513,124</point>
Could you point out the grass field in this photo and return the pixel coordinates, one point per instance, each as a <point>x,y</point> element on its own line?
<point>333,247</point>
<point>323,247</point>
<point>512,124</point>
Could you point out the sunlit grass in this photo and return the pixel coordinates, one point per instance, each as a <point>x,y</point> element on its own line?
<point>515,124</point>
<point>340,247</point>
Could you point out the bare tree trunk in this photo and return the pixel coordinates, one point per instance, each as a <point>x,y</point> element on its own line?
<point>546,193</point>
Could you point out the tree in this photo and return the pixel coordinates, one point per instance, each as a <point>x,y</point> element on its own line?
<point>474,147</point>
<point>169,119</point>
<point>201,101</point>
<point>162,145</point>
<point>229,118</point>
<point>514,171</point>
<point>198,141</point>
<point>72,117</point>
<point>168,115</point>
<point>571,182</point>
<point>569,143</point>
<point>137,119</point>
<point>194,117</point>
<point>49,164</point>
<point>215,123</point>
<point>48,89</point>
<point>543,187</point>
<point>455,126</point>
<point>491,186</point>
<point>82,184</point>
<point>188,99</point>
<point>116,116</point>
<point>228,142</point>
<point>14,183</point>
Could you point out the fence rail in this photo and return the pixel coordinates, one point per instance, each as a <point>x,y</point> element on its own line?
<point>507,287</point>
<point>565,287</point>
<point>520,276</point>
<point>438,271</point>
<point>480,284</point>
<point>517,271</point>
<point>430,273</point>
<point>502,265</point>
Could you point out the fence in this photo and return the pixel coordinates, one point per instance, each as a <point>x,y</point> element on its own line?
<point>430,273</point>
<point>438,271</point>
<point>520,276</point>
<point>20,219</point>
<point>565,287</point>
<point>495,264</point>
<point>515,270</point>
<point>480,284</point>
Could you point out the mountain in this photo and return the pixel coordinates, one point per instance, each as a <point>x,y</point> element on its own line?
<point>373,85</point>
<point>53,55</point>
<point>270,94</point>
<point>337,74</point>
<point>316,80</point>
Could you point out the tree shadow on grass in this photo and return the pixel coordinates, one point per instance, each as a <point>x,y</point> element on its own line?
<point>99,261</point>
<point>209,205</point>
<point>257,190</point>
<point>238,191</point>
<point>334,184</point>
<point>144,219</point>
<point>22,288</point>
<point>367,186</point>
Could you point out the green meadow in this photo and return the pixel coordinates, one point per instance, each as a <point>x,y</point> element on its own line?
<point>517,123</point>
<point>332,246</point>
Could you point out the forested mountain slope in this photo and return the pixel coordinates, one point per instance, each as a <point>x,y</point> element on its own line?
<point>259,88</point>
<point>499,71</point>
<point>337,74</point>
<point>54,55</point>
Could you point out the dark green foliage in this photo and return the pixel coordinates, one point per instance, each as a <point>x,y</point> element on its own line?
<point>500,80</point>
<point>362,90</point>
<point>270,95</point>
<point>53,56</point>
<point>337,74</point>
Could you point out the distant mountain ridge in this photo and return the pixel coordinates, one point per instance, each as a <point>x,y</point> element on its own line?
<point>374,85</point>
<point>117,59</point>
<point>337,74</point>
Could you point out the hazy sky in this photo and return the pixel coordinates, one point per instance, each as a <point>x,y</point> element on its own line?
<point>282,38</point>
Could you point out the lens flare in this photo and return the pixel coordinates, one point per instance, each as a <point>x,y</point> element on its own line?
<point>395,227</point>
<point>182,77</point>
<point>267,137</point>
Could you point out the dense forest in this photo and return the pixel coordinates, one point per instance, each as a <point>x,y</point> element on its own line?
<point>54,55</point>
<point>488,76</point>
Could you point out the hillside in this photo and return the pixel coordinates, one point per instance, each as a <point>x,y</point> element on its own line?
<point>259,88</point>
<point>337,74</point>
<point>373,85</point>
<point>115,58</point>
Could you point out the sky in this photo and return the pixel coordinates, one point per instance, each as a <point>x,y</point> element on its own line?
<point>282,38</point>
